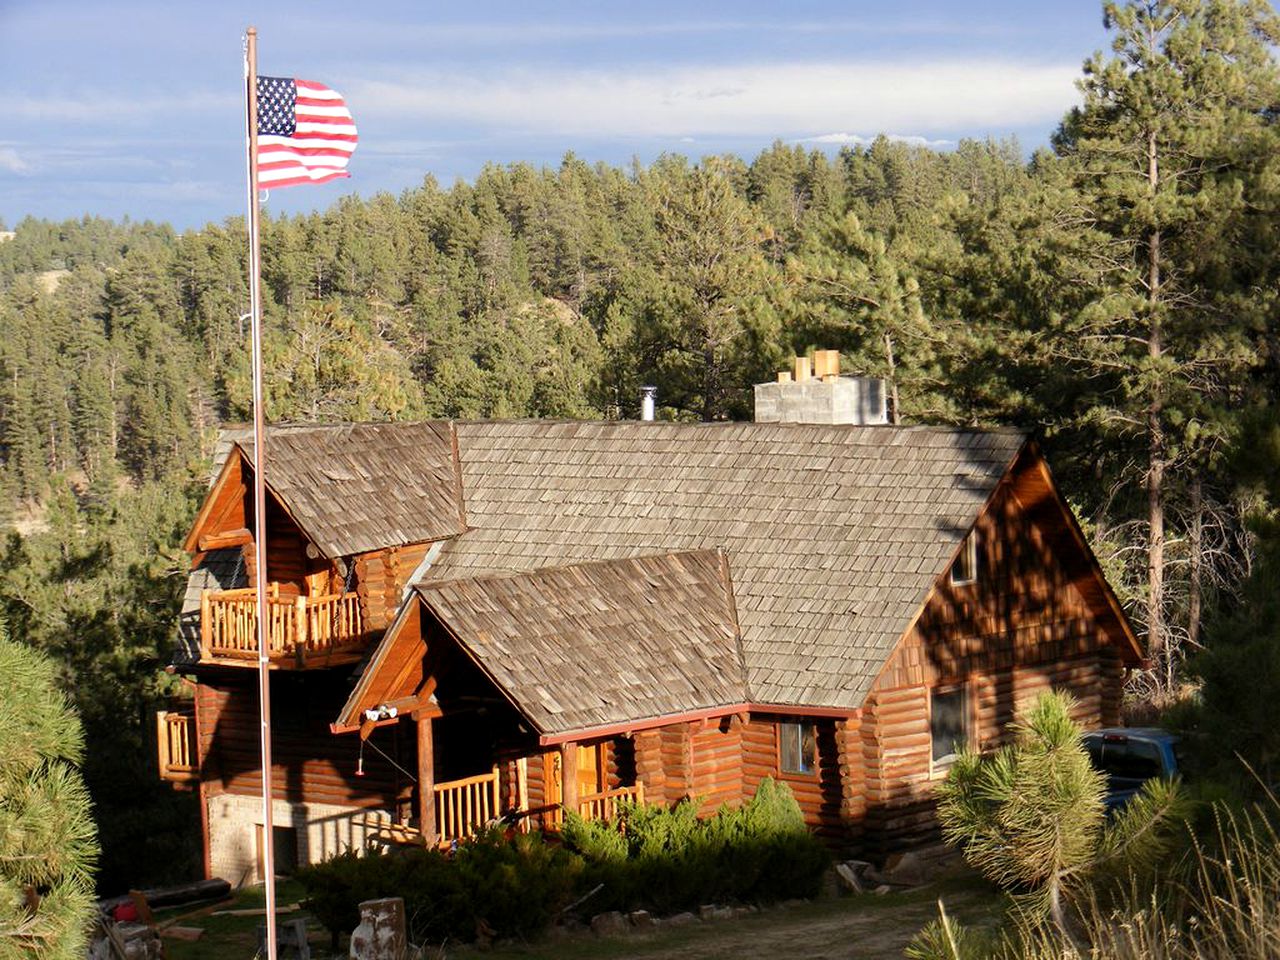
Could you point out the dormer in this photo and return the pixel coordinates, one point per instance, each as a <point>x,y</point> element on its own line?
<point>353,512</point>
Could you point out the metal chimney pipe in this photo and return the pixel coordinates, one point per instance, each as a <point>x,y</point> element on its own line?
<point>648,398</point>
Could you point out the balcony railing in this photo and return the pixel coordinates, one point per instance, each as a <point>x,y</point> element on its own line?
<point>299,629</point>
<point>176,746</point>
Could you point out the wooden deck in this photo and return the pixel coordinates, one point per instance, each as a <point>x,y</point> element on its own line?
<point>301,631</point>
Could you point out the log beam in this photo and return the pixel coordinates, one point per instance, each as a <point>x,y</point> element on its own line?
<point>426,782</point>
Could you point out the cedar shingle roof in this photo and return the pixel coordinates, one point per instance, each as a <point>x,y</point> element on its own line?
<point>364,486</point>
<point>834,533</point>
<point>589,645</point>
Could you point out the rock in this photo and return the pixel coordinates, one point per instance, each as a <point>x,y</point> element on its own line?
<point>141,942</point>
<point>640,918</point>
<point>680,920</point>
<point>705,911</point>
<point>744,911</point>
<point>881,890</point>
<point>609,924</point>
<point>380,935</point>
<point>849,877</point>
<point>905,869</point>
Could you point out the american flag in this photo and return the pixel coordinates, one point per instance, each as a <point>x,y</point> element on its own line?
<point>305,133</point>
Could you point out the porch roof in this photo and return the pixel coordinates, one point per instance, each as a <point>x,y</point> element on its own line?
<point>581,647</point>
<point>601,643</point>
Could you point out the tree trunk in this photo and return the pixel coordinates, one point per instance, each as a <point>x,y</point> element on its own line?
<point>894,416</point>
<point>710,382</point>
<point>1195,589</point>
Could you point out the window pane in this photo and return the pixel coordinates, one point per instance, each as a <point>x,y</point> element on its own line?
<point>796,747</point>
<point>947,724</point>
<point>965,567</point>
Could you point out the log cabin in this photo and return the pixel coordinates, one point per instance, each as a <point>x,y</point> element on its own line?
<point>473,620</point>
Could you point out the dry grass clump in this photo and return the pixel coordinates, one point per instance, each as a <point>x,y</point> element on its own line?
<point>1220,902</point>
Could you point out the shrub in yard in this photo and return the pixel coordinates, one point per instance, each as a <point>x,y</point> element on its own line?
<point>506,887</point>
<point>668,859</point>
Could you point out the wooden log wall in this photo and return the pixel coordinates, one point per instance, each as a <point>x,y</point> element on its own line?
<point>1033,621</point>
<point>647,747</point>
<point>381,577</point>
<point>309,764</point>
<point>716,762</point>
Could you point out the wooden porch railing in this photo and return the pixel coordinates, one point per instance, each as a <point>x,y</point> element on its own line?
<point>297,627</point>
<point>463,807</point>
<point>176,746</point>
<point>604,805</point>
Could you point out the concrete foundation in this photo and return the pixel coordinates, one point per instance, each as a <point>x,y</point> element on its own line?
<point>319,831</point>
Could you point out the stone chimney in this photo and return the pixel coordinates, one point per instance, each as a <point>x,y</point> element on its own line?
<point>815,392</point>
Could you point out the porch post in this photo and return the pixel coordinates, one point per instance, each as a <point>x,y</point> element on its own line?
<point>569,776</point>
<point>426,782</point>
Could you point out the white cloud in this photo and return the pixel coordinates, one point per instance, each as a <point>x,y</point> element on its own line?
<point>856,140</point>
<point>98,108</point>
<point>780,99</point>
<point>11,162</point>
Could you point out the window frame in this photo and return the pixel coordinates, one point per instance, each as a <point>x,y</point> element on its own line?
<point>967,556</point>
<point>940,767</point>
<point>801,726</point>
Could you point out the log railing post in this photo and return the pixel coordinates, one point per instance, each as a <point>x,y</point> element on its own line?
<point>206,626</point>
<point>162,742</point>
<point>300,629</point>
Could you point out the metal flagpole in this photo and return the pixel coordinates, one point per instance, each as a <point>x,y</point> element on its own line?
<point>259,483</point>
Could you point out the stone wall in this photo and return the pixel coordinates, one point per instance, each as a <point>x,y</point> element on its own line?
<point>320,831</point>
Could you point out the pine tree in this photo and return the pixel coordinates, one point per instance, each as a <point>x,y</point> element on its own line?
<point>1030,817</point>
<point>48,844</point>
<point>1172,151</point>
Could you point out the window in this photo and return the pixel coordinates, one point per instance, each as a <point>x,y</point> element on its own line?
<point>948,724</point>
<point>797,748</point>
<point>964,569</point>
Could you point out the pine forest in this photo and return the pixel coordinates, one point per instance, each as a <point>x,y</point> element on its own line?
<point>1116,293</point>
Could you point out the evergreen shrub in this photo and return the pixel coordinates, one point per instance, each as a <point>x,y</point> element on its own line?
<point>647,857</point>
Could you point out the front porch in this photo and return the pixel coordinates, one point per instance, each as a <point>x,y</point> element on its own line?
<point>465,808</point>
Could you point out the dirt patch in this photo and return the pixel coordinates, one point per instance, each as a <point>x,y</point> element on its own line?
<point>867,927</point>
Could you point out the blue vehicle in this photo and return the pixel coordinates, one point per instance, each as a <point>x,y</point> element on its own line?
<point>1130,756</point>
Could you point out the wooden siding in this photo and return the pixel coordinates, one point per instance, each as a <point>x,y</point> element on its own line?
<point>309,764</point>
<point>1034,620</point>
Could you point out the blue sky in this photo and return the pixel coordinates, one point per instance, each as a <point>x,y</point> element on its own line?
<point>134,107</point>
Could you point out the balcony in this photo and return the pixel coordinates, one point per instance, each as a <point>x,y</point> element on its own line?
<point>176,746</point>
<point>301,631</point>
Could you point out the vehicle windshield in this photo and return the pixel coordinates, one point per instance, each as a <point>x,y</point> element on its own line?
<point>1127,760</point>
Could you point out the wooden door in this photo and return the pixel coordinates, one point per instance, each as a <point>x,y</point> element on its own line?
<point>589,773</point>
<point>589,769</point>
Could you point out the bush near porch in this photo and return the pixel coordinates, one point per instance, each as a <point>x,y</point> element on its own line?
<point>648,857</point>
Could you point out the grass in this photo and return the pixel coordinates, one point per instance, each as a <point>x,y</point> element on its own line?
<point>869,925</point>
<point>226,936</point>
